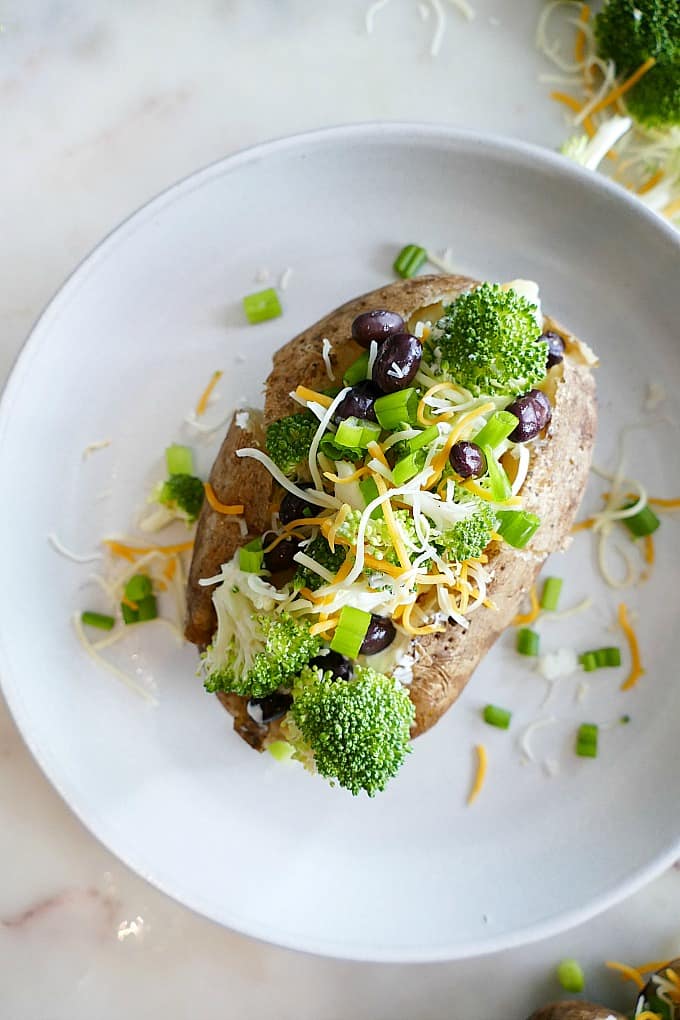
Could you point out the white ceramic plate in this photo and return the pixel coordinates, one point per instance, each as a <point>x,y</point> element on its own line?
<point>123,351</point>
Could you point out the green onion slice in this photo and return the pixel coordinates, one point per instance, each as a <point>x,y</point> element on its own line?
<point>352,627</point>
<point>408,467</point>
<point>357,371</point>
<point>397,409</point>
<point>570,976</point>
<point>281,750</point>
<point>138,587</point>
<point>424,438</point>
<point>586,740</point>
<point>179,460</point>
<point>250,556</point>
<point>356,433</point>
<point>528,641</point>
<point>600,658</point>
<point>369,490</point>
<point>517,527</point>
<point>99,620</point>
<point>409,261</point>
<point>645,522</point>
<point>262,305</point>
<point>495,716</point>
<point>550,596</point>
<point>498,427</point>
<point>501,490</point>
<point>147,608</point>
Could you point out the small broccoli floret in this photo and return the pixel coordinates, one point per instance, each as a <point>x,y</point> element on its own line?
<point>487,341</point>
<point>377,538</point>
<point>320,551</point>
<point>289,439</point>
<point>357,730</point>
<point>278,648</point>
<point>468,538</point>
<point>629,32</point>
<point>183,494</point>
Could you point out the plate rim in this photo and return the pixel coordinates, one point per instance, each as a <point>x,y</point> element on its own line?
<point>419,133</point>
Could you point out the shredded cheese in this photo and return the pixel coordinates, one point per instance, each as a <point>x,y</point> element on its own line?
<point>355,476</point>
<point>480,774</point>
<point>580,41</point>
<point>376,452</point>
<point>312,396</point>
<point>99,444</point>
<point>326,348</point>
<point>392,526</point>
<point>203,400</point>
<point>629,973</point>
<point>621,90</point>
<point>338,521</point>
<point>130,552</point>
<point>636,670</point>
<point>63,550</point>
<point>101,661</point>
<point>217,505</point>
<point>525,619</point>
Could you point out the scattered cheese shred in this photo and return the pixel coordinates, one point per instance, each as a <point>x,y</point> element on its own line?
<point>479,490</point>
<point>650,551</point>
<point>580,41</point>
<point>338,521</point>
<point>359,473</point>
<point>629,973</point>
<point>645,968</point>
<point>376,452</point>
<point>101,661</point>
<point>323,626</point>
<point>665,504</point>
<point>651,182</point>
<point>203,400</point>
<point>524,619</point>
<point>130,552</point>
<point>637,669</point>
<point>318,398</point>
<point>429,628</point>
<point>439,462</point>
<point>392,526</point>
<point>583,525</point>
<point>218,506</point>
<point>480,775</point>
<point>625,86</point>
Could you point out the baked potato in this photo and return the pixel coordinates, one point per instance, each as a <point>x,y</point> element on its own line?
<point>575,1009</point>
<point>443,657</point>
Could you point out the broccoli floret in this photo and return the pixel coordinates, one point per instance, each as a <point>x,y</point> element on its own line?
<point>487,341</point>
<point>377,538</point>
<point>468,538</point>
<point>278,647</point>
<point>629,32</point>
<point>357,730</point>
<point>289,439</point>
<point>184,495</point>
<point>320,551</point>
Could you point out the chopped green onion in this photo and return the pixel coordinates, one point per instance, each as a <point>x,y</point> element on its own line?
<point>517,527</point>
<point>624,720</point>
<point>147,608</point>
<point>528,641</point>
<point>330,448</point>
<point>586,740</point>
<point>501,490</point>
<point>357,433</point>
<point>179,460</point>
<point>498,427</point>
<point>138,587</point>
<point>281,750</point>
<point>600,658</point>
<point>550,596</point>
<point>99,620</point>
<point>423,438</point>
<point>129,614</point>
<point>357,371</point>
<point>409,261</point>
<point>262,305</point>
<point>352,627</point>
<point>250,556</point>
<point>495,716</point>
<point>645,522</point>
<point>570,976</point>
<point>397,409</point>
<point>408,467</point>
<point>369,490</point>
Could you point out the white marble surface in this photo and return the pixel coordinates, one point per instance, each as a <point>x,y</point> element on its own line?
<point>103,105</point>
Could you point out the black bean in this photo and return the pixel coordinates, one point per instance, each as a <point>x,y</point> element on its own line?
<point>376,325</point>
<point>380,634</point>
<point>339,665</point>
<point>266,710</point>
<point>281,556</point>
<point>467,460</point>
<point>293,507</point>
<point>533,411</point>
<point>397,362</point>
<point>358,403</point>
<point>555,347</point>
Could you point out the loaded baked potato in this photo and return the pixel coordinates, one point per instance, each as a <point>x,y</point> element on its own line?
<point>478,416</point>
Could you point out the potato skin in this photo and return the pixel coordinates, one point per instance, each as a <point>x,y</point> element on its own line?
<point>553,490</point>
<point>576,1009</point>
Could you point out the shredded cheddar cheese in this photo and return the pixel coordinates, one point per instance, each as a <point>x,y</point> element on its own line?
<point>338,521</point>
<point>392,526</point>
<point>429,628</point>
<point>439,462</point>
<point>650,552</point>
<point>625,86</point>
<point>580,41</point>
<point>665,504</point>
<point>376,451</point>
<point>323,626</point>
<point>359,473</point>
<point>480,774</point>
<point>651,182</point>
<point>202,405</point>
<point>426,419</point>
<point>479,490</point>
<point>629,973</point>
<point>217,505</point>
<point>636,670</point>
<point>131,552</point>
<point>524,619</point>
<point>312,396</point>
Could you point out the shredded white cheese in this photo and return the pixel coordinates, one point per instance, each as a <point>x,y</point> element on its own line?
<point>440,28</point>
<point>98,444</point>
<point>105,664</point>
<point>68,554</point>
<point>372,355</point>
<point>371,13</point>
<point>554,665</point>
<point>326,348</point>
<point>532,728</point>
<point>285,278</point>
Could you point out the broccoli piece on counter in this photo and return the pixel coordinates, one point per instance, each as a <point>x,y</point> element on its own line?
<point>289,439</point>
<point>488,342</point>
<point>629,32</point>
<point>357,731</point>
<point>257,653</point>
<point>183,494</point>
<point>320,551</point>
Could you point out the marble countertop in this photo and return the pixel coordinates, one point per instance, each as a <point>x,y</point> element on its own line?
<point>104,104</point>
